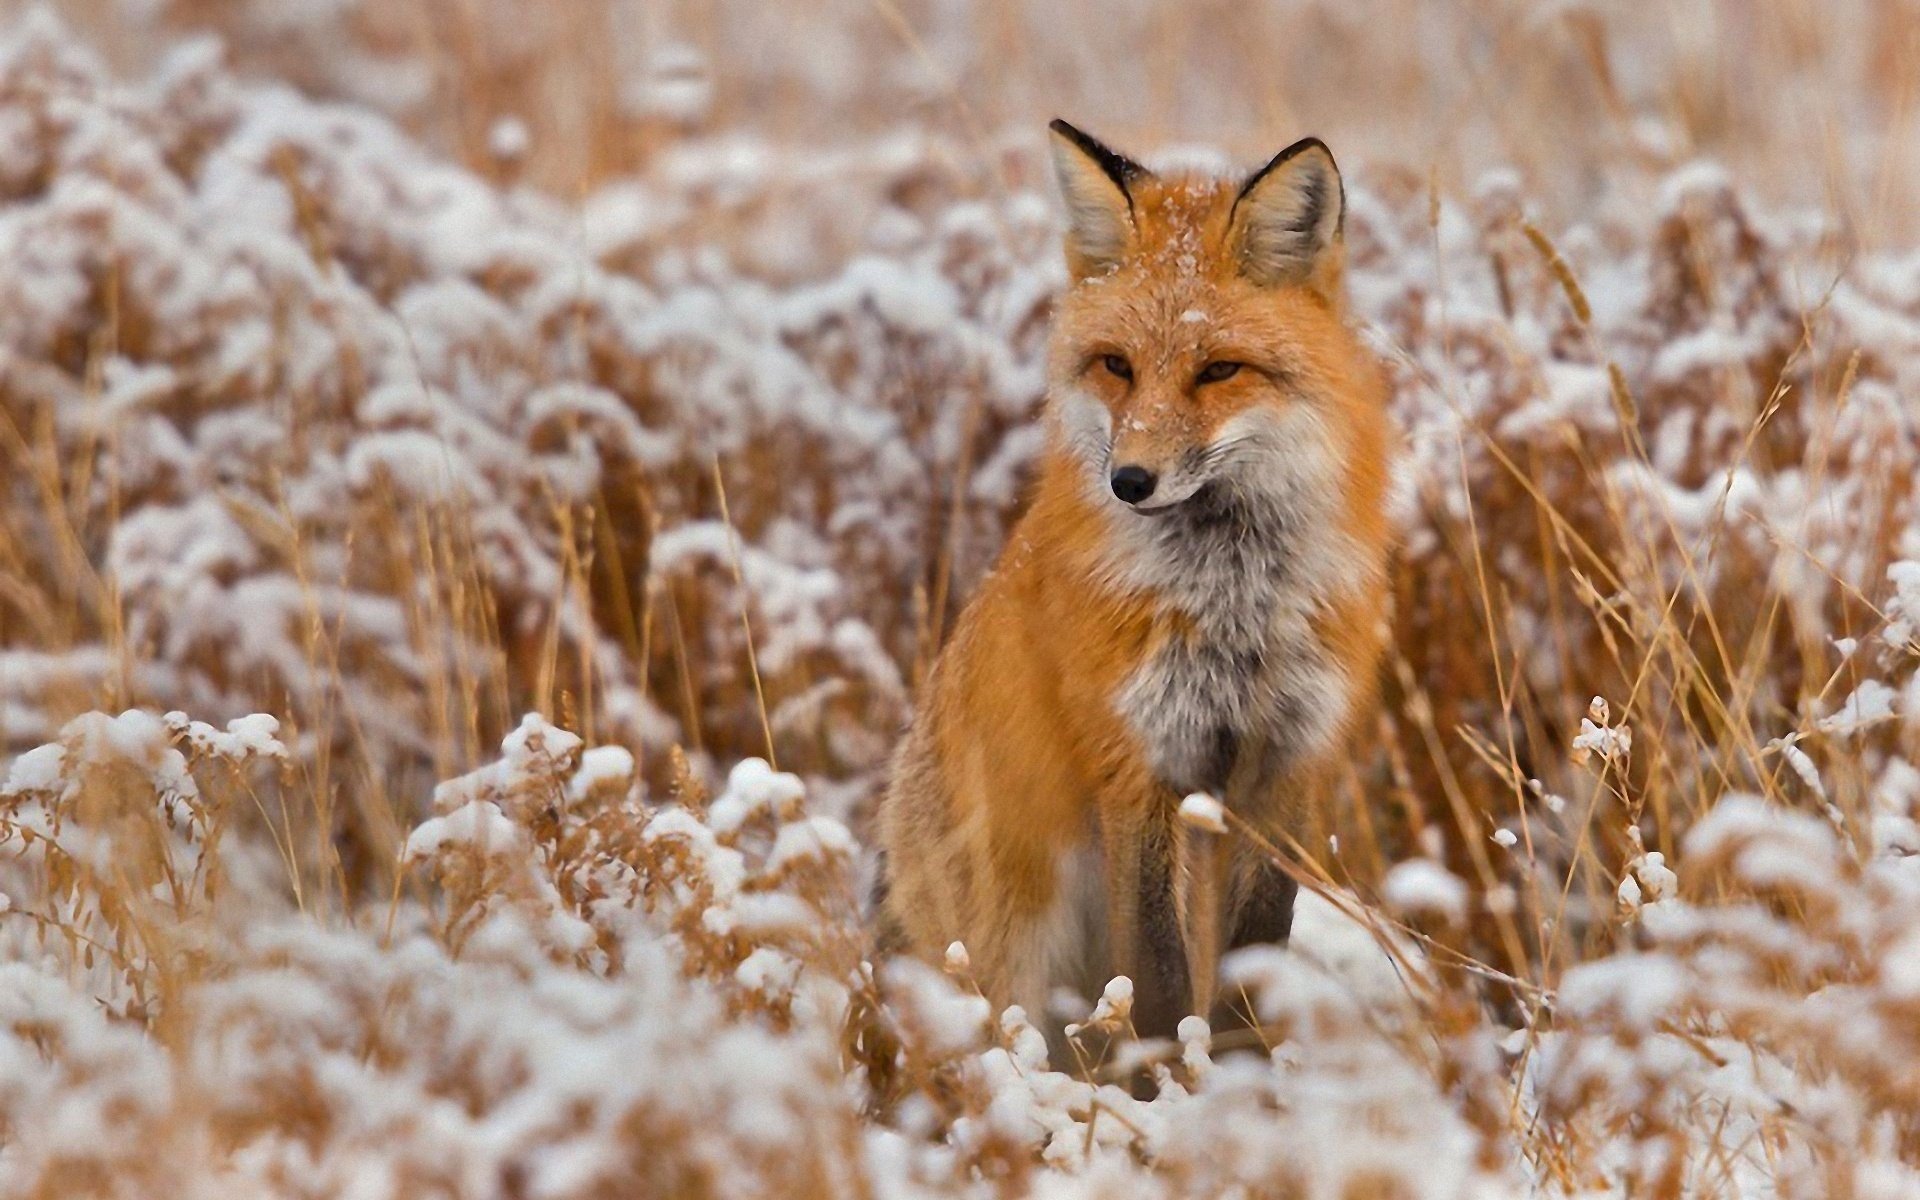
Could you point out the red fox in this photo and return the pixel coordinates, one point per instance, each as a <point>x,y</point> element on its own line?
<point>1193,602</point>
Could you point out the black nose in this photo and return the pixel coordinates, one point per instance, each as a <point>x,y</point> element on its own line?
<point>1133,484</point>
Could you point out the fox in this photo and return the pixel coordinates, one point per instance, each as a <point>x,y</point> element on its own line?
<point>1194,601</point>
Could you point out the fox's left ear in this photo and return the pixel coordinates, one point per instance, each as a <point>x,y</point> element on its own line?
<point>1287,220</point>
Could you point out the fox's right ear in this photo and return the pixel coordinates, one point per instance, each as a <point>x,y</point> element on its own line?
<point>1096,184</point>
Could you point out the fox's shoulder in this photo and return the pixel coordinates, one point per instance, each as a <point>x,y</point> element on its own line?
<point>1052,599</point>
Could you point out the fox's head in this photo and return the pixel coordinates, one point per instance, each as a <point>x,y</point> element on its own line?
<point>1201,347</point>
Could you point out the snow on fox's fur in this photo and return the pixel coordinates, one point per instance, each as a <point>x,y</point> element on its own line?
<point>1193,602</point>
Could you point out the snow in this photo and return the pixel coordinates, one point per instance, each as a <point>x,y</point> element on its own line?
<point>478,823</point>
<point>1799,762</point>
<point>509,139</point>
<point>343,457</point>
<point>1423,887</point>
<point>244,737</point>
<point>38,770</point>
<point>1204,812</point>
<point>1596,737</point>
<point>601,767</point>
<point>809,839</point>
<point>754,789</point>
<point>1903,607</point>
<point>528,1001</point>
<point>957,960</point>
<point>1116,1001</point>
<point>949,1022</point>
<point>1868,704</point>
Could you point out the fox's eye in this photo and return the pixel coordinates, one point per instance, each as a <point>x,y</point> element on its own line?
<point>1118,367</point>
<point>1214,372</point>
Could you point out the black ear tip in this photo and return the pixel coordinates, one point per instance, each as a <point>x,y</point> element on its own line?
<point>1304,145</point>
<point>1079,137</point>
<point>1121,169</point>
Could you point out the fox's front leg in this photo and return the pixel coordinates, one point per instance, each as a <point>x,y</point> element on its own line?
<point>1284,806</point>
<point>1259,892</point>
<point>1121,827</point>
<point>1263,902</point>
<point>1143,917</point>
<point>1203,879</point>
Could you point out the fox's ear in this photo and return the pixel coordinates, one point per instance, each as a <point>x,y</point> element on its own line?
<point>1096,184</point>
<point>1287,219</point>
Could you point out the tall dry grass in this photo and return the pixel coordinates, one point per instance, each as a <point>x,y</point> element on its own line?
<point>701,458</point>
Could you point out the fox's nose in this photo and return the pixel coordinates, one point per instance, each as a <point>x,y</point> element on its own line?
<point>1133,484</point>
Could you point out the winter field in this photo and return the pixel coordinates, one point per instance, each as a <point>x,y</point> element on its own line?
<point>480,483</point>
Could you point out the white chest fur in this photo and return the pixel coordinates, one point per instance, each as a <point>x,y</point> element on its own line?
<point>1251,676</point>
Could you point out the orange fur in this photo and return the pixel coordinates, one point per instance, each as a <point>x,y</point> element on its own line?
<point>1024,771</point>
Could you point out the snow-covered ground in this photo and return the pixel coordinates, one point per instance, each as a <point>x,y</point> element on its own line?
<point>331,447</point>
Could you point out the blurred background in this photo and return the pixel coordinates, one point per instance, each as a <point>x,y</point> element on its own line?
<point>1811,101</point>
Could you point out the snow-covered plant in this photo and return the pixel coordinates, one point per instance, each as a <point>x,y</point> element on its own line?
<point>314,403</point>
<point>1775,994</point>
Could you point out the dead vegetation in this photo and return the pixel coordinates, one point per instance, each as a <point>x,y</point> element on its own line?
<point>299,417</point>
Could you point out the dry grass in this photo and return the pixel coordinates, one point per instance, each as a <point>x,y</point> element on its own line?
<point>701,460</point>
<point>1810,102</point>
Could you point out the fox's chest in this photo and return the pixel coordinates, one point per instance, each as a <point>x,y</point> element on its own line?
<point>1247,679</point>
<point>1200,704</point>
